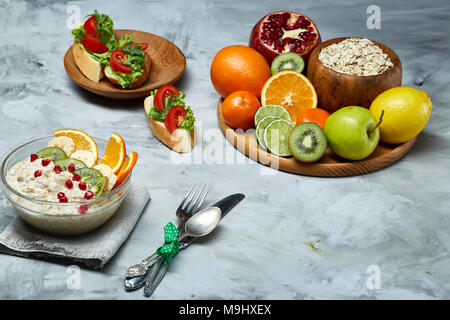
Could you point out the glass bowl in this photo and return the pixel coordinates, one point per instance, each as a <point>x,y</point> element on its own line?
<point>55,217</point>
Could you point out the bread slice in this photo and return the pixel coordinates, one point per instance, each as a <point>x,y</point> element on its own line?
<point>88,66</point>
<point>181,140</point>
<point>138,82</point>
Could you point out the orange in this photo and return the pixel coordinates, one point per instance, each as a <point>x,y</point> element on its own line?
<point>239,108</point>
<point>315,115</point>
<point>239,68</point>
<point>115,153</point>
<point>82,140</point>
<point>289,89</point>
<point>127,167</point>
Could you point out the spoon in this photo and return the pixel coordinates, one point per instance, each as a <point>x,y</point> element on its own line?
<point>199,225</point>
<point>202,223</point>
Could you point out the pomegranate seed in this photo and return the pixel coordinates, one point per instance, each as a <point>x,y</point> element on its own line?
<point>71,167</point>
<point>69,184</point>
<point>60,195</point>
<point>63,199</point>
<point>33,157</point>
<point>82,185</point>
<point>76,177</point>
<point>37,173</point>
<point>57,169</point>
<point>83,209</point>
<point>88,195</point>
<point>45,162</point>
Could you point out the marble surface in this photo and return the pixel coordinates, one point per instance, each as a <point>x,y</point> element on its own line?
<point>293,237</point>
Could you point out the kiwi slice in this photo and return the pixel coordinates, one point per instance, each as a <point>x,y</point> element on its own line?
<point>64,163</point>
<point>287,61</point>
<point>52,153</point>
<point>87,173</point>
<point>97,185</point>
<point>307,142</point>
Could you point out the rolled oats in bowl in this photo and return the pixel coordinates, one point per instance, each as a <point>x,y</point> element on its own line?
<point>356,56</point>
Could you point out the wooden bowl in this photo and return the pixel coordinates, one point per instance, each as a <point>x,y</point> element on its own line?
<point>167,66</point>
<point>336,90</point>
<point>330,165</point>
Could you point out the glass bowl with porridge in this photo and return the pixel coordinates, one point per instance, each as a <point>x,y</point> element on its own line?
<point>59,185</point>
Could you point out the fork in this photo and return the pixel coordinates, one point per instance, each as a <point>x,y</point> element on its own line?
<point>185,210</point>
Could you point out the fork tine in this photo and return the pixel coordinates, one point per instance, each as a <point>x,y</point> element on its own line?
<point>195,207</point>
<point>186,196</point>
<point>191,206</point>
<point>191,196</point>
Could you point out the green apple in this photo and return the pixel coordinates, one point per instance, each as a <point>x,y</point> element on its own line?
<point>352,132</point>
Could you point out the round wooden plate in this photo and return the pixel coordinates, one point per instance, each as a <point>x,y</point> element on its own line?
<point>167,66</point>
<point>329,166</point>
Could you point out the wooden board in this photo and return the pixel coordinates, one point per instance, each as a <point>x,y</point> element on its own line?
<point>167,66</point>
<point>329,166</point>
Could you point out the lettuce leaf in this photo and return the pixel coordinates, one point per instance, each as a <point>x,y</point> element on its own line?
<point>102,58</point>
<point>135,59</point>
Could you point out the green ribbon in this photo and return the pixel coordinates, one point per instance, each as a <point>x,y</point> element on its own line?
<point>170,247</point>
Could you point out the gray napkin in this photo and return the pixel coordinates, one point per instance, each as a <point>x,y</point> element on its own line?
<point>93,249</point>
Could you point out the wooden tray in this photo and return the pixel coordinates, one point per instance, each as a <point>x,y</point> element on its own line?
<point>168,65</point>
<point>329,166</point>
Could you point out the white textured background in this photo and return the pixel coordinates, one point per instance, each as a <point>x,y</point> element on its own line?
<point>396,218</point>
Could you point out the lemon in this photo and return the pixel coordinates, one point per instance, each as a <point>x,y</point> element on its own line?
<point>406,112</point>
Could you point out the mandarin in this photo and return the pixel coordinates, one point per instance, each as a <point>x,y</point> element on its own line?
<point>239,108</point>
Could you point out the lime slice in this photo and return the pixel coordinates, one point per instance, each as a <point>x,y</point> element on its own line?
<point>276,137</point>
<point>261,126</point>
<point>271,110</point>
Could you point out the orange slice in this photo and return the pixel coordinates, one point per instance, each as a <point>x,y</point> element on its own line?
<point>289,89</point>
<point>82,140</point>
<point>115,153</point>
<point>127,167</point>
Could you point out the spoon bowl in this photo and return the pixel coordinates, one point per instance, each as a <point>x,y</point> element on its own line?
<point>203,222</point>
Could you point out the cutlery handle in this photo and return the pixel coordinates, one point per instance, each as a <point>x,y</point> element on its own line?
<point>140,269</point>
<point>157,273</point>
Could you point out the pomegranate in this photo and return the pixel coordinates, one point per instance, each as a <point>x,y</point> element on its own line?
<point>82,185</point>
<point>284,31</point>
<point>69,184</point>
<point>88,195</point>
<point>71,168</point>
<point>46,162</point>
<point>83,209</point>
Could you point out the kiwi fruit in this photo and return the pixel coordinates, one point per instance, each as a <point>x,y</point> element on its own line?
<point>307,142</point>
<point>287,61</point>
<point>97,185</point>
<point>86,173</point>
<point>64,163</point>
<point>52,153</point>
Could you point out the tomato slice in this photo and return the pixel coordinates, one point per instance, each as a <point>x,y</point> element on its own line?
<point>90,26</point>
<point>94,45</point>
<point>164,91</point>
<point>115,62</point>
<point>144,46</point>
<point>175,118</point>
